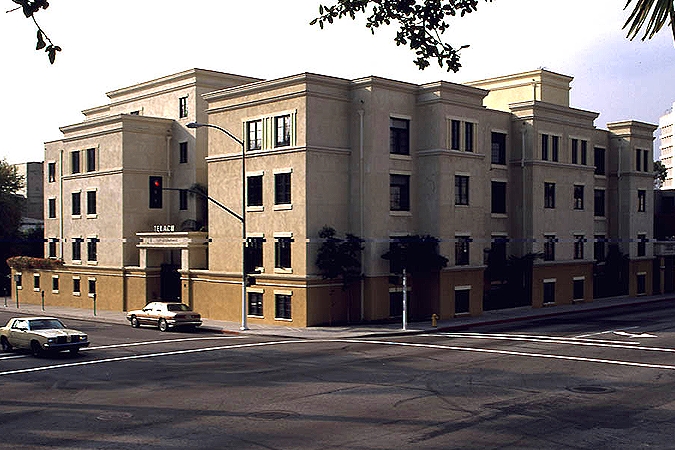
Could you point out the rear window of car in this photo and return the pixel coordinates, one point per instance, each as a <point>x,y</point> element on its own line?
<point>178,307</point>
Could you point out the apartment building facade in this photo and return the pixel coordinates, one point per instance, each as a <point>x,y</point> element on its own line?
<point>499,166</point>
<point>666,143</point>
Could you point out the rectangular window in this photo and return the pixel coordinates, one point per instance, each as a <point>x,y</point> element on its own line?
<point>92,249</point>
<point>549,292</point>
<point>455,130</point>
<point>399,136</point>
<point>549,195</point>
<point>183,152</point>
<point>642,200</point>
<point>578,197</point>
<point>77,249</point>
<point>92,286</point>
<point>641,283</point>
<point>584,152</point>
<point>498,197</point>
<point>51,245</point>
<point>575,151</point>
<point>51,208</point>
<point>549,247</point>
<point>255,253</point>
<point>468,136</point>
<point>638,160</point>
<point>76,206</point>
<point>282,253</point>
<point>498,250</point>
<point>282,306</point>
<point>282,134</point>
<point>555,146</point>
<point>255,304</point>
<point>91,202</point>
<point>645,160</point>
<point>462,297</point>
<point>578,289</point>
<point>399,192</point>
<point>642,245</point>
<point>498,148</point>
<point>599,247</point>
<point>55,283</point>
<point>599,159</point>
<point>91,159</point>
<point>254,134</point>
<point>183,199</point>
<point>462,250</point>
<point>51,172</point>
<point>36,281</point>
<point>282,188</point>
<point>579,241</point>
<point>544,147</point>
<point>17,280</point>
<point>76,286</point>
<point>599,202</point>
<point>182,107</point>
<point>75,162</point>
<point>461,190</point>
<point>254,190</point>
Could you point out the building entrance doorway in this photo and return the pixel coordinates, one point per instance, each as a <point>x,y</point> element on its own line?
<point>170,290</point>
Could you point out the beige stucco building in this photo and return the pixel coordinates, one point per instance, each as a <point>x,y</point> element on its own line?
<point>502,167</point>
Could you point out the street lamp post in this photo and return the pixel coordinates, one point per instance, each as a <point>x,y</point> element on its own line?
<point>242,218</point>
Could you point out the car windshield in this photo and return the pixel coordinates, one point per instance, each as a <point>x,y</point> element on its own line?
<point>177,307</point>
<point>46,324</point>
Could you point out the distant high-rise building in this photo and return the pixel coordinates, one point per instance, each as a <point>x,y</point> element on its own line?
<point>33,191</point>
<point>666,126</point>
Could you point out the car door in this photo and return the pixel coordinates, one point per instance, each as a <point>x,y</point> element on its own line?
<point>19,336</point>
<point>145,315</point>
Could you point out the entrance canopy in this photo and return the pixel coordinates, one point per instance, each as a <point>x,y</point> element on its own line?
<point>193,246</point>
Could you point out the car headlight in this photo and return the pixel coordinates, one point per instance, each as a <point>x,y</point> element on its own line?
<point>83,337</point>
<point>51,340</point>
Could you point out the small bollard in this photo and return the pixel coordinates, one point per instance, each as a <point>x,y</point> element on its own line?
<point>434,320</point>
<point>94,296</point>
<point>43,300</point>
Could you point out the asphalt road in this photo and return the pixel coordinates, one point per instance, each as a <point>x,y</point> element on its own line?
<point>572,382</point>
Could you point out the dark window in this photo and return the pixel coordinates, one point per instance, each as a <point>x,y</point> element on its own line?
<point>498,250</point>
<point>599,247</point>
<point>77,207</point>
<point>75,162</point>
<point>91,202</point>
<point>77,249</point>
<point>51,244</point>
<point>468,136</point>
<point>282,188</point>
<point>578,197</point>
<point>549,292</point>
<point>182,107</point>
<point>638,160</point>
<point>91,159</point>
<point>55,283</point>
<point>642,245</point>
<point>282,135</point>
<point>36,281</point>
<point>555,146</point>
<point>183,199</point>
<point>462,297</point>
<point>455,128</point>
<point>255,253</point>
<point>17,280</point>
<point>254,133</point>
<point>254,190</point>
<point>584,152</point>
<point>183,152</point>
<point>549,248</point>
<point>498,148</point>
<point>544,147</point>
<point>395,265</point>
<point>92,253</point>
<point>51,172</point>
<point>462,250</point>
<point>282,306</point>
<point>599,202</point>
<point>642,200</point>
<point>645,160</point>
<point>498,197</point>
<point>461,190</point>
<point>575,151</point>
<point>641,283</point>
<point>282,253</point>
<point>399,136</point>
<point>399,192</point>
<point>76,285</point>
<point>255,304</point>
<point>578,289</point>
<point>579,246</point>
<point>51,208</point>
<point>549,195</point>
<point>92,286</point>
<point>599,161</point>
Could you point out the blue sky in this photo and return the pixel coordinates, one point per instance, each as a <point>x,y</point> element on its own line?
<point>109,45</point>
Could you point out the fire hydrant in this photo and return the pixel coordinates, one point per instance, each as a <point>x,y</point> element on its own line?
<point>434,320</point>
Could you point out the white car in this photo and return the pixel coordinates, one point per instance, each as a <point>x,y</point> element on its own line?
<point>165,315</point>
<point>41,335</point>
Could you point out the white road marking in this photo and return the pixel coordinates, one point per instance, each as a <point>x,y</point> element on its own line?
<point>603,332</point>
<point>633,335</point>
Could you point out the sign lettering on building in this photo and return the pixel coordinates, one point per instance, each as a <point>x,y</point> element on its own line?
<point>164,228</point>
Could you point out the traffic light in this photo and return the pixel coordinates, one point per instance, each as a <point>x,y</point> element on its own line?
<point>156,192</point>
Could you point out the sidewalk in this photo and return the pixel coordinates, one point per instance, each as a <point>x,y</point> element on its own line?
<point>350,331</point>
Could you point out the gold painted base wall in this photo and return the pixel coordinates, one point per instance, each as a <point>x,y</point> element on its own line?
<point>564,275</point>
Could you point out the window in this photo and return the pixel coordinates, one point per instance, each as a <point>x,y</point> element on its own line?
<point>455,128</point>
<point>255,253</point>
<point>91,159</point>
<point>77,207</point>
<point>254,190</point>
<point>36,281</point>
<point>599,202</point>
<point>17,280</point>
<point>462,250</point>
<point>183,107</point>
<point>51,172</point>
<point>642,245</point>
<point>638,160</point>
<point>51,208</point>
<point>76,286</point>
<point>549,247</point>
<point>282,188</point>
<point>498,197</point>
<point>254,134</point>
<point>579,246</point>
<point>183,152</point>
<point>498,148</point>
<point>77,249</point>
<point>599,247</point>
<point>468,136</point>
<point>399,192</point>
<point>578,289</point>
<point>399,136</point>
<point>642,200</point>
<point>51,246</point>
<point>498,250</point>
<point>92,249</point>
<point>599,159</point>
<point>255,304</point>
<point>462,297</point>
<point>544,147</point>
<point>92,286</point>
<point>461,190</point>
<point>549,292</point>
<point>282,253</point>
<point>183,199</point>
<point>91,202</point>
<point>75,162</point>
<point>578,197</point>
<point>282,135</point>
<point>642,160</point>
<point>549,195</point>
<point>282,306</point>
<point>555,146</point>
<point>575,151</point>
<point>55,283</point>
<point>641,283</point>
<point>584,152</point>
<point>645,160</point>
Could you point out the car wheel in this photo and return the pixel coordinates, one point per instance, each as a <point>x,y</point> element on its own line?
<point>35,348</point>
<point>134,322</point>
<point>162,325</point>
<point>6,346</point>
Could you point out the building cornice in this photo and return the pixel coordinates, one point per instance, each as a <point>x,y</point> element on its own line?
<point>115,123</point>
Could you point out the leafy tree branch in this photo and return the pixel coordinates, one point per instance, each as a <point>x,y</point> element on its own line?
<point>29,8</point>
